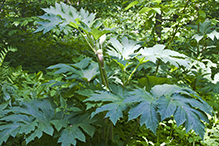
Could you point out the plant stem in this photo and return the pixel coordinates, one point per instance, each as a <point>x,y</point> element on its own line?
<point>87,41</point>
<point>158,65</point>
<point>107,135</point>
<point>100,59</point>
<point>100,63</point>
<point>198,50</point>
<point>111,132</point>
<point>173,36</point>
<point>130,76</point>
<point>132,132</point>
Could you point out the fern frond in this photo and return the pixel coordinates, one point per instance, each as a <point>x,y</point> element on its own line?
<point>4,52</point>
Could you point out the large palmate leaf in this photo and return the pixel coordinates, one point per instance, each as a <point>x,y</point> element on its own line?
<point>35,117</point>
<point>124,49</point>
<point>146,108</point>
<point>158,52</point>
<point>86,73</point>
<point>26,118</point>
<point>73,132</point>
<point>114,108</point>
<point>84,70</point>
<point>165,101</point>
<point>46,26</point>
<point>62,15</point>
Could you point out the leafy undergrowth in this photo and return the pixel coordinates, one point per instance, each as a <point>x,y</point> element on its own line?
<point>120,91</point>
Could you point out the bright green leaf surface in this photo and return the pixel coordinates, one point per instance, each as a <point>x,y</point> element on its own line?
<point>165,55</point>
<point>124,49</point>
<point>213,34</point>
<point>131,4</point>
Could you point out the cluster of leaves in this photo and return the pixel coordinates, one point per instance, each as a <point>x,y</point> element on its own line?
<point>87,103</point>
<point>35,117</point>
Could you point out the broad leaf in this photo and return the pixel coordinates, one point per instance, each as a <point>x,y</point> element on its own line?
<point>198,37</point>
<point>83,63</point>
<point>63,68</point>
<point>158,52</point>
<point>73,132</point>
<point>46,26</point>
<point>70,134</point>
<point>213,34</point>
<point>114,108</point>
<point>124,49</point>
<point>24,119</point>
<point>86,70</point>
<point>132,4</point>
<point>146,108</point>
<point>150,81</point>
<point>62,15</point>
<point>59,123</point>
<point>165,101</point>
<point>90,72</point>
<point>98,33</point>
<point>179,102</point>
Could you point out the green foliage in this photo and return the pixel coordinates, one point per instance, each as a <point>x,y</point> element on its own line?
<point>36,117</point>
<point>158,52</point>
<point>212,134</point>
<point>67,15</point>
<point>124,50</point>
<point>151,67</point>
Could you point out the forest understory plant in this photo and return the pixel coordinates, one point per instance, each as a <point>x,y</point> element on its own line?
<point>97,101</point>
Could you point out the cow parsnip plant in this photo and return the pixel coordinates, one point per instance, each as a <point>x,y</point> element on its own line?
<point>92,103</point>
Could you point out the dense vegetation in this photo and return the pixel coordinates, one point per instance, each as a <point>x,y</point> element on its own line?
<point>109,72</point>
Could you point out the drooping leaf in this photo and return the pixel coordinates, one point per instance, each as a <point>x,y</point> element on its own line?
<point>198,37</point>
<point>166,90</point>
<point>165,55</point>
<point>63,68</point>
<point>98,33</point>
<point>86,70</point>
<point>145,108</point>
<point>83,63</point>
<point>178,102</point>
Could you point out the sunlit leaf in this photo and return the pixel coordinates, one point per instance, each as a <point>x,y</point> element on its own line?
<point>62,15</point>
<point>144,10</point>
<point>131,4</point>
<point>158,52</point>
<point>213,34</point>
<point>124,49</point>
